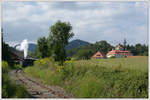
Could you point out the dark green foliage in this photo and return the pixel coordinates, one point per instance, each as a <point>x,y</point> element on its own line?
<point>17,66</point>
<point>7,54</point>
<point>76,44</point>
<point>101,46</point>
<point>60,33</point>
<point>68,58</point>
<point>43,48</point>
<point>104,47</point>
<point>83,54</point>
<point>138,49</point>
<point>145,53</point>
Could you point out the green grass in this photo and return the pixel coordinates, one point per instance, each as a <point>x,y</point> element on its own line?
<point>96,78</point>
<point>9,88</point>
<point>12,90</point>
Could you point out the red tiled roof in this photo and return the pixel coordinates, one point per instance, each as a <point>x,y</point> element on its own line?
<point>98,54</point>
<point>118,52</point>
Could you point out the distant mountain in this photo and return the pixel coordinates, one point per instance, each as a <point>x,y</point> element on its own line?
<point>32,47</point>
<point>76,43</point>
<point>73,44</point>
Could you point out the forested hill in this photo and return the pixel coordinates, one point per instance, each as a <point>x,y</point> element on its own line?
<point>73,44</point>
<point>82,46</point>
<point>76,43</point>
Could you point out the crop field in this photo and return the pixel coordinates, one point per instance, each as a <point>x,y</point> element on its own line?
<point>96,78</point>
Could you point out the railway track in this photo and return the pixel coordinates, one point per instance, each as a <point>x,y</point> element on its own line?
<point>39,90</point>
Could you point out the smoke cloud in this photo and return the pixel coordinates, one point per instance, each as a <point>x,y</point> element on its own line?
<point>24,47</point>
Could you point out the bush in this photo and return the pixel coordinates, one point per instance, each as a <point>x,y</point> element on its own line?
<point>5,67</point>
<point>83,54</point>
<point>68,58</point>
<point>44,63</point>
<point>17,66</point>
<point>66,70</point>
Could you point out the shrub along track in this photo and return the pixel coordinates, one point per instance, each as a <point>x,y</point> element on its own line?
<point>37,89</point>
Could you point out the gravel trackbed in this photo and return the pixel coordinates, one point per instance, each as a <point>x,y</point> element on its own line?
<point>37,89</point>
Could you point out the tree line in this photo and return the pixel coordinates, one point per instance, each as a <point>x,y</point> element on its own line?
<point>61,32</point>
<point>54,44</point>
<point>86,52</point>
<point>58,38</point>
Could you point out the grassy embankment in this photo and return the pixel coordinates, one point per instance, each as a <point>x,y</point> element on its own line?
<point>9,88</point>
<point>103,78</point>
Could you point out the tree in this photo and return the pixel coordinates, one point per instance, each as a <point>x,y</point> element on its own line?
<point>103,46</point>
<point>84,54</point>
<point>138,49</point>
<point>6,51</point>
<point>43,49</point>
<point>60,33</point>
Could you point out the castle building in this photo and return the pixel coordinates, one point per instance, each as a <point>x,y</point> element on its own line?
<point>118,52</point>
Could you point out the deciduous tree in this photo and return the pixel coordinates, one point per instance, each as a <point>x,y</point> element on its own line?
<point>43,49</point>
<point>60,33</point>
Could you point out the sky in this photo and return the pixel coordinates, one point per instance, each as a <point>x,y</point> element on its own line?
<point>91,21</point>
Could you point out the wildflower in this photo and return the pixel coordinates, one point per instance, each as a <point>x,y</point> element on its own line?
<point>59,68</point>
<point>68,61</point>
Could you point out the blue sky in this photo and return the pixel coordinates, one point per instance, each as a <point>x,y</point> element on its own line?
<point>91,21</point>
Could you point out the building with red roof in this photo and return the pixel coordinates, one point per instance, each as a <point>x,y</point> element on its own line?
<point>98,55</point>
<point>118,52</point>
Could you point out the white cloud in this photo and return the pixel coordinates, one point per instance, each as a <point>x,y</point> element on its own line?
<point>91,21</point>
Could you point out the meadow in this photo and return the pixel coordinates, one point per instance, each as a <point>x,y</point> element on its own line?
<point>95,78</point>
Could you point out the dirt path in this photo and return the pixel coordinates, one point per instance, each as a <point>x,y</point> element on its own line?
<point>37,89</point>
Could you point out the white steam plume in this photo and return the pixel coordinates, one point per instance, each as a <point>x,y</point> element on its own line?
<point>24,47</point>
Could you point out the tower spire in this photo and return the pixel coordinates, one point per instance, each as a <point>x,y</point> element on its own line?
<point>124,43</point>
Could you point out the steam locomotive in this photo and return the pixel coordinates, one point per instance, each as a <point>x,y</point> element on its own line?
<point>18,57</point>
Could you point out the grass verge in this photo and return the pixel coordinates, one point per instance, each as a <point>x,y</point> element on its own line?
<point>103,78</point>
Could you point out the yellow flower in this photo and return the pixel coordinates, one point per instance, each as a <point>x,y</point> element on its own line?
<point>59,68</point>
<point>68,61</point>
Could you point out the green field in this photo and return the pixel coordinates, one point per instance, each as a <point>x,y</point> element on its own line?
<point>96,78</point>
